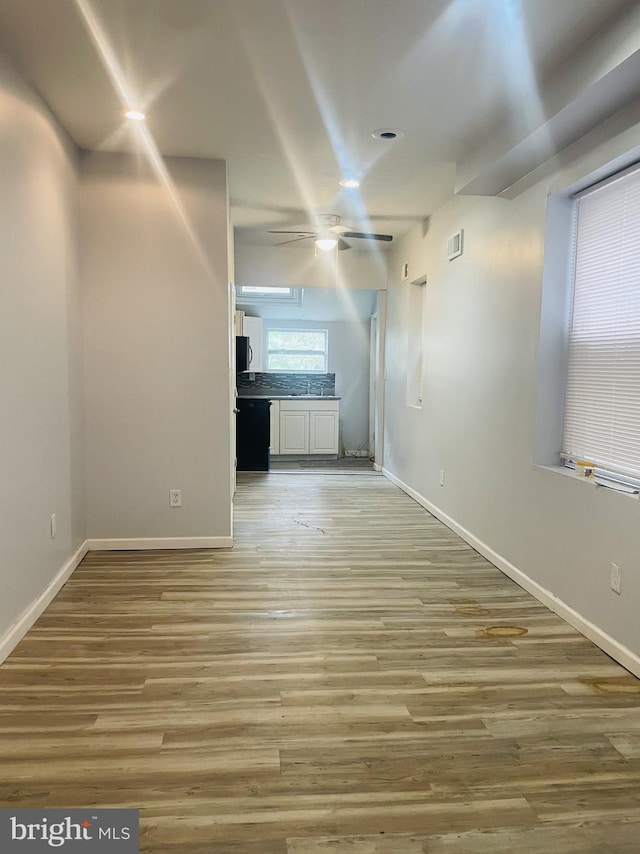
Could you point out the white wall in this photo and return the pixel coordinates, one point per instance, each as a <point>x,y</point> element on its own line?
<point>300,268</point>
<point>155,281</point>
<point>41,429</point>
<point>319,304</point>
<point>349,359</point>
<point>481,370</point>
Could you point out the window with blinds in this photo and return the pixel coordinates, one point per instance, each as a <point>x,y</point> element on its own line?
<point>602,403</point>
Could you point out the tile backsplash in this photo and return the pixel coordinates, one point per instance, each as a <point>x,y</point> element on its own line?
<point>285,383</point>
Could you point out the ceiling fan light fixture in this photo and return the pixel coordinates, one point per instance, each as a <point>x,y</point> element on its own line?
<point>349,183</point>
<point>326,244</point>
<point>135,115</point>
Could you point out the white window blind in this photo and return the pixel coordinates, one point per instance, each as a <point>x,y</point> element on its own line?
<point>602,404</point>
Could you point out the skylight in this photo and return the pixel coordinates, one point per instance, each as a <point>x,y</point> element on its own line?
<point>247,295</point>
<point>245,289</point>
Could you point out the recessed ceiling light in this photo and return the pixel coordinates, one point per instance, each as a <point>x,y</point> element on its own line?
<point>135,115</point>
<point>387,133</point>
<point>349,183</point>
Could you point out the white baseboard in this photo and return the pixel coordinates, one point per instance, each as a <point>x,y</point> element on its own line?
<point>152,543</point>
<point>18,630</point>
<point>622,654</point>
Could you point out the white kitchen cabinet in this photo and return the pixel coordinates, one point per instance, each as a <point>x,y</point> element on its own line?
<point>239,322</point>
<point>323,431</point>
<point>294,432</point>
<point>274,427</point>
<point>309,426</point>
<point>253,329</point>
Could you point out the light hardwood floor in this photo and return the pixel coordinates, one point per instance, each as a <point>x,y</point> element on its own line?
<point>351,679</point>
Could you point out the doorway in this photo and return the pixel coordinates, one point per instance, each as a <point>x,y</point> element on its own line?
<point>338,337</point>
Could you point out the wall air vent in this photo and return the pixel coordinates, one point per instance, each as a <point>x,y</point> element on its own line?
<point>455,244</point>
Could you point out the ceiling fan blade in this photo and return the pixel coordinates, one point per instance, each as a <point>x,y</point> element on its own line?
<point>298,231</point>
<point>295,240</point>
<point>342,244</point>
<point>363,236</point>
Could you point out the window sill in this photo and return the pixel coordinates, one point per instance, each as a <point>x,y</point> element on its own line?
<point>588,481</point>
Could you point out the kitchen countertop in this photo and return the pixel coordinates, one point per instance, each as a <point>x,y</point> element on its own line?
<point>289,396</point>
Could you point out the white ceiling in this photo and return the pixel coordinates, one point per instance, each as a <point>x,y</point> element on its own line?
<point>288,92</point>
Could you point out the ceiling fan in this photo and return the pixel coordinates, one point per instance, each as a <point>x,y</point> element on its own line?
<point>328,233</point>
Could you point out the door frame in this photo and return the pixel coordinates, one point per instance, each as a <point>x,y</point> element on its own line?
<point>377,378</point>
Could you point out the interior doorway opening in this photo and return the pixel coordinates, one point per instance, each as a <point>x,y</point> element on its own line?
<point>318,360</point>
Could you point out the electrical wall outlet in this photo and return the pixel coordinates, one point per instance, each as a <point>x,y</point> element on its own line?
<point>441,477</point>
<point>616,578</point>
<point>54,526</point>
<point>175,498</point>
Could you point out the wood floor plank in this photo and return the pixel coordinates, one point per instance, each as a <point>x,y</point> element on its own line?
<point>352,678</point>
<point>594,839</point>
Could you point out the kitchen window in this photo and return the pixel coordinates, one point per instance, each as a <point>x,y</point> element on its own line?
<point>297,350</point>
